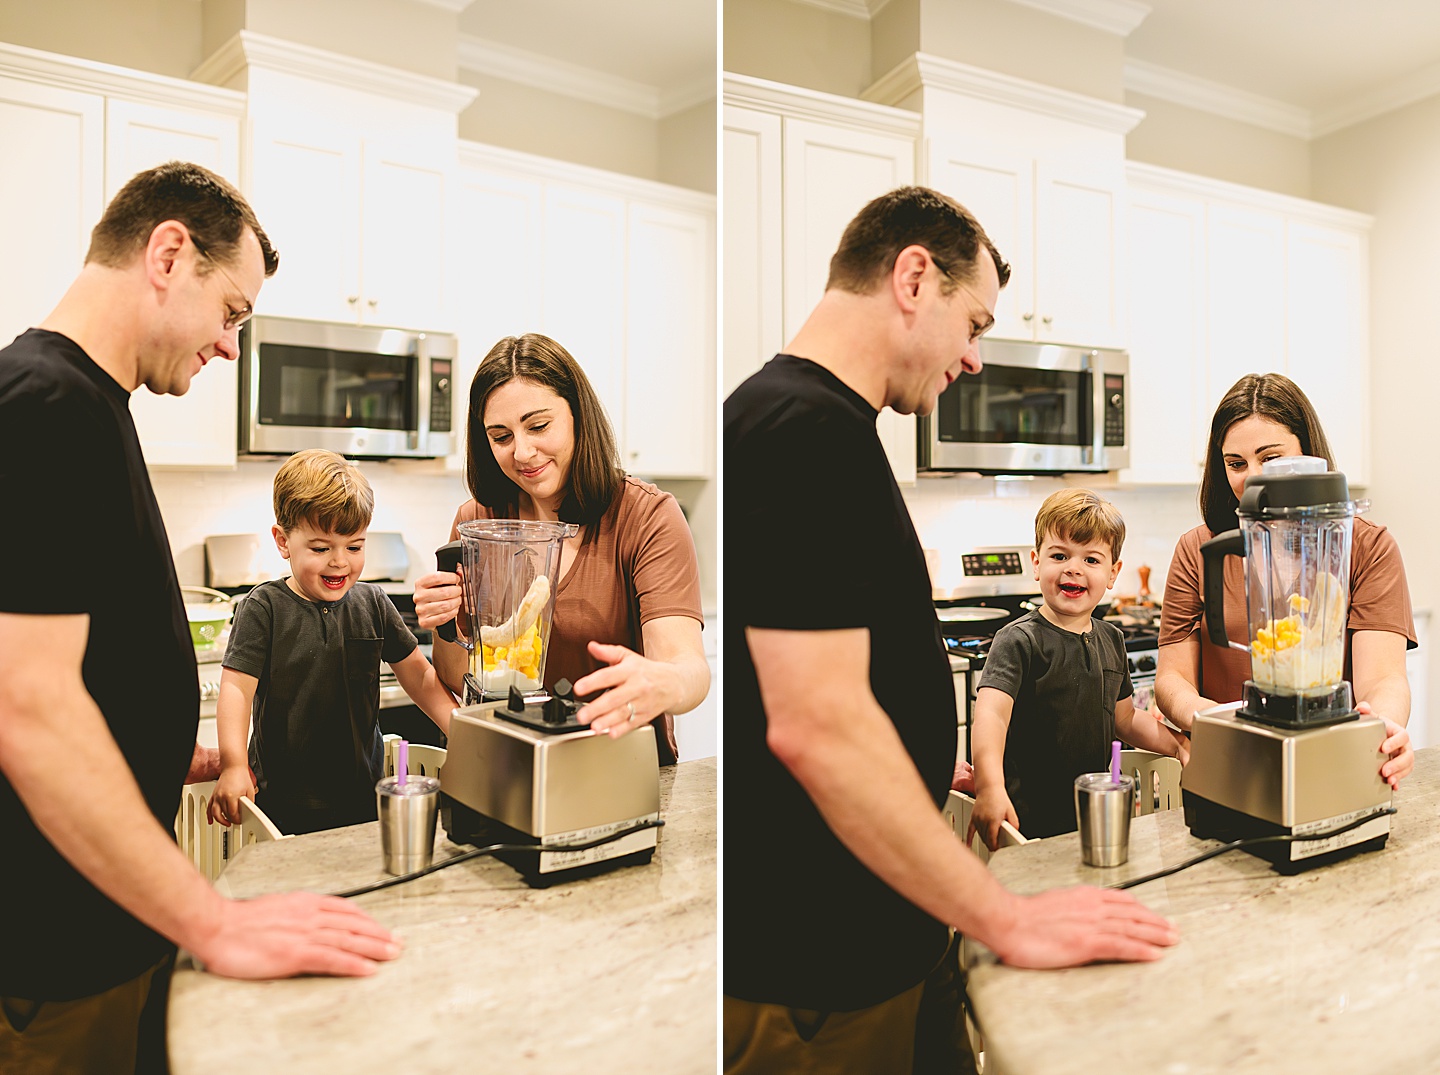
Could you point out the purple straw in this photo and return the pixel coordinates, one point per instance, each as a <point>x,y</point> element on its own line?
<point>1114,761</point>
<point>402,760</point>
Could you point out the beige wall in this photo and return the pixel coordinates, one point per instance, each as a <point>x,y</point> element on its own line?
<point>797,44</point>
<point>1390,167</point>
<point>1173,136</point>
<point>419,38</point>
<point>688,148</point>
<point>159,36</point>
<point>1020,41</point>
<point>513,116</point>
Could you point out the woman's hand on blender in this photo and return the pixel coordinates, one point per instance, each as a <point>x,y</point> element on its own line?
<point>1396,748</point>
<point>437,598</point>
<point>637,690</point>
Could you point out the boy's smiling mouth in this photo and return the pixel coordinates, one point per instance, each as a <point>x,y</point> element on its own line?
<point>1073,589</point>
<point>334,582</point>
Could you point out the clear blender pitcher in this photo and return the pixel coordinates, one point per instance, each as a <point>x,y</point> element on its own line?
<point>509,571</point>
<point>1296,525</point>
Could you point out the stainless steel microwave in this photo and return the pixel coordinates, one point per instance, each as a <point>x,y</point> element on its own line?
<point>1032,409</point>
<point>363,392</point>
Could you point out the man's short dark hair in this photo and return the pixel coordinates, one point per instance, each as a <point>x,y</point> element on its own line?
<point>215,213</point>
<point>911,216</point>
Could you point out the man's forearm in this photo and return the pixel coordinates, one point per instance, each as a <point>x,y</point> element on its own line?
<point>863,782</point>
<point>104,829</point>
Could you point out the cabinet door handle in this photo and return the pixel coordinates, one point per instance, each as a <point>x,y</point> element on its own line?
<point>352,299</point>
<point>1047,319</point>
<point>372,303</point>
<point>1027,317</point>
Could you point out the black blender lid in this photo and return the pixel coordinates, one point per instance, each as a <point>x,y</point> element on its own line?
<point>1280,493</point>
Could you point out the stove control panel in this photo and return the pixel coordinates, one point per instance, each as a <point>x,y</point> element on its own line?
<point>992,563</point>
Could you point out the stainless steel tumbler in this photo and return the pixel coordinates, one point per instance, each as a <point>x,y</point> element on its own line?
<point>1102,813</point>
<point>407,821</point>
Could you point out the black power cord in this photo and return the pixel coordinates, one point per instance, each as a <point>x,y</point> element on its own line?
<point>1252,841</point>
<point>490,849</point>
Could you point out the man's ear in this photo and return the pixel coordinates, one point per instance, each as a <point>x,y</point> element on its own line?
<point>280,541</point>
<point>906,275</point>
<point>163,252</point>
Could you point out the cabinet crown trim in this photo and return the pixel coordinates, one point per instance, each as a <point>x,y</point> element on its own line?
<point>249,49</point>
<point>91,76</point>
<point>780,98</point>
<point>1151,177</point>
<point>923,72</point>
<point>513,162</point>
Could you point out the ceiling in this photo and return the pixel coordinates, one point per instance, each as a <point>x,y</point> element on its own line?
<point>665,44</point>
<point>1319,55</point>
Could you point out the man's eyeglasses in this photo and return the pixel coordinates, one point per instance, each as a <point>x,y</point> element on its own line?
<point>233,318</point>
<point>976,329</point>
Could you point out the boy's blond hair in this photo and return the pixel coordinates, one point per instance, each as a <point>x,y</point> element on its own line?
<point>325,490</point>
<point>1080,516</point>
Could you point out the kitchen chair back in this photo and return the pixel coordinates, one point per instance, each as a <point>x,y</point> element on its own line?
<point>957,810</point>
<point>422,759</point>
<point>255,827</point>
<point>1157,780</point>
<point>203,842</point>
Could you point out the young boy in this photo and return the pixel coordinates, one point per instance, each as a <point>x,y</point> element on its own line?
<point>304,657</point>
<point>1056,687</point>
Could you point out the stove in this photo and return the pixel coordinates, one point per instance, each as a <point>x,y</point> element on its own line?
<point>998,589</point>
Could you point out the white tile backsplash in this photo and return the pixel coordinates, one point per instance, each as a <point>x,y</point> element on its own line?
<point>955,514</point>
<point>416,499</point>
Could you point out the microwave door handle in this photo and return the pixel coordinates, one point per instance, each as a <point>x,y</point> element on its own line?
<point>1095,450</point>
<point>420,428</point>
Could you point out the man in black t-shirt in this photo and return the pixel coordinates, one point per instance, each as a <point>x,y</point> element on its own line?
<point>99,699</point>
<point>840,723</point>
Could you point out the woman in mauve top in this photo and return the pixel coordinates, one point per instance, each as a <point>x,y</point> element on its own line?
<point>1262,417</point>
<point>626,631</point>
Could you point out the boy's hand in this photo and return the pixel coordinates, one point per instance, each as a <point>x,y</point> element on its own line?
<point>234,784</point>
<point>964,778</point>
<point>991,808</point>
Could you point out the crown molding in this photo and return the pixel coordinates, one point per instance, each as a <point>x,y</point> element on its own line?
<point>1168,181</point>
<point>1113,16</point>
<point>249,49</point>
<point>923,71</point>
<point>486,57</point>
<point>798,103</point>
<point>513,162</point>
<point>854,9</point>
<point>455,7</point>
<point>1217,98</point>
<point>1397,94</point>
<point>89,76</point>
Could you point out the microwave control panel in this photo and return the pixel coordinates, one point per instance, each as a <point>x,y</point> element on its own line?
<point>1114,410</point>
<point>441,405</point>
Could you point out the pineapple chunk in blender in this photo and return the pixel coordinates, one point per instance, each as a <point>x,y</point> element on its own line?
<point>517,664</point>
<point>1302,652</point>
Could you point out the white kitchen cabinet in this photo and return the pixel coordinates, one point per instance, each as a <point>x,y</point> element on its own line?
<point>1228,281</point>
<point>697,733</point>
<point>835,155</point>
<point>752,243</point>
<point>359,222</point>
<point>1166,392</point>
<point>51,195</point>
<point>1059,225</point>
<point>669,342</point>
<point>620,271</point>
<point>197,429</point>
<point>583,288</point>
<point>1327,328</point>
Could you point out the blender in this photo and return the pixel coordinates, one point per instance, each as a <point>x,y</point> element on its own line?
<point>509,570</point>
<point>520,770</point>
<point>1293,757</point>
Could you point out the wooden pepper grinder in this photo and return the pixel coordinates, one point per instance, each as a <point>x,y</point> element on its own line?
<point>1144,596</point>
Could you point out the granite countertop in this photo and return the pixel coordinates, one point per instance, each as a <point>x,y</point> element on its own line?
<point>613,973</point>
<point>1331,970</point>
